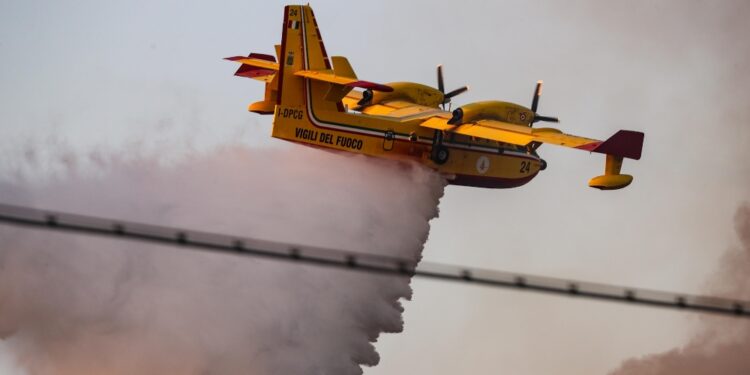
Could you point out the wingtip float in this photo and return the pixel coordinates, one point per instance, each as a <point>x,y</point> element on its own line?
<point>490,144</point>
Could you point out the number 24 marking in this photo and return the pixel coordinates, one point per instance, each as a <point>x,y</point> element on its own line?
<point>525,167</point>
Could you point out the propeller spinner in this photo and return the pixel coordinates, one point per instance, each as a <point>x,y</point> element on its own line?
<point>441,86</point>
<point>535,104</point>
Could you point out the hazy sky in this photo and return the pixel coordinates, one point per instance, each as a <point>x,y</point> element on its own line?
<point>118,75</point>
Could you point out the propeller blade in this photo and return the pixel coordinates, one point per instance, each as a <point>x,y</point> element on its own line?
<point>457,91</point>
<point>537,94</point>
<point>546,118</point>
<point>441,85</point>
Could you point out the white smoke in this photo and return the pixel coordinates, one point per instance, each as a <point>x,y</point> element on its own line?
<point>8,365</point>
<point>722,345</point>
<point>86,305</point>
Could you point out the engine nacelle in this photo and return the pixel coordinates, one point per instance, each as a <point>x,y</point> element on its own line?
<point>493,110</point>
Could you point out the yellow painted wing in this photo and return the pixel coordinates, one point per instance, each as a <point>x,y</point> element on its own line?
<point>512,133</point>
<point>625,143</point>
<point>353,97</point>
<point>330,77</point>
<point>400,109</point>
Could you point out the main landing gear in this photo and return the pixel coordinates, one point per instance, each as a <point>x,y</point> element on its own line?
<point>440,153</point>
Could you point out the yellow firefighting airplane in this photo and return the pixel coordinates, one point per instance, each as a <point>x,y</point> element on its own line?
<point>488,144</point>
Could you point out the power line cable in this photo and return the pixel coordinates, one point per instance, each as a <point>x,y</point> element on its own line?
<point>243,246</point>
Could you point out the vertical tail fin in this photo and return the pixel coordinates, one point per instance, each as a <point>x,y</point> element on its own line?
<point>302,48</point>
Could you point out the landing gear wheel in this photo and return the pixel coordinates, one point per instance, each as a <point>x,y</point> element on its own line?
<point>441,155</point>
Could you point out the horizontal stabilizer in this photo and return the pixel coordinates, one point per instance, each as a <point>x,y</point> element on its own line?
<point>256,65</point>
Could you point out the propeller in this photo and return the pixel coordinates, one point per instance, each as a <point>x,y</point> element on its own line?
<point>535,105</point>
<point>441,86</point>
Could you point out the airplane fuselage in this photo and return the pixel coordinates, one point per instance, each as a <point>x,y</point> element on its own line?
<point>470,162</point>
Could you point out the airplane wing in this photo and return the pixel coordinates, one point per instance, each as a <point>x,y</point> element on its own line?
<point>330,77</point>
<point>400,109</point>
<point>624,143</point>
